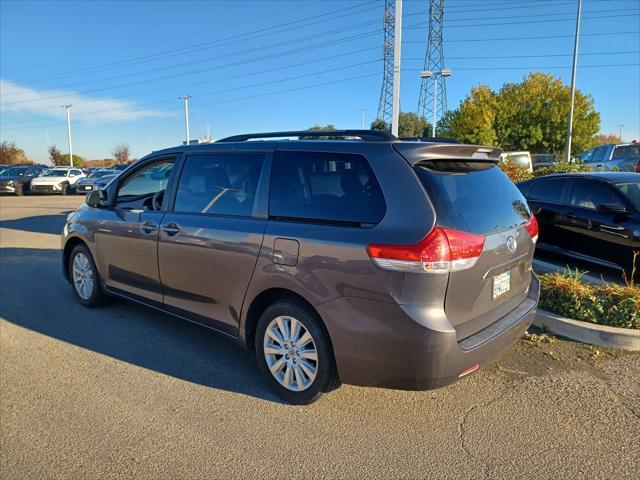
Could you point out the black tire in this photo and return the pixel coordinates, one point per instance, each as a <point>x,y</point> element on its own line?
<point>326,376</point>
<point>20,189</point>
<point>66,189</point>
<point>97,296</point>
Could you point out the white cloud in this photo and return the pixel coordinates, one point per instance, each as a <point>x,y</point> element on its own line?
<point>19,99</point>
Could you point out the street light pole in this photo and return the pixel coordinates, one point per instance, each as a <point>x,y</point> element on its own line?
<point>567,155</point>
<point>435,76</point>
<point>362,110</point>
<point>68,107</point>
<point>397,48</point>
<point>621,125</point>
<point>186,115</point>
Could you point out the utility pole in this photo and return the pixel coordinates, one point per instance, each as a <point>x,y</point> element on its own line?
<point>68,107</point>
<point>386,94</point>
<point>186,115</point>
<point>397,48</point>
<point>362,110</point>
<point>567,155</point>
<point>434,92</point>
<point>621,125</point>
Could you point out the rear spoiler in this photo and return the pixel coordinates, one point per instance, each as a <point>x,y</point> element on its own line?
<point>416,153</point>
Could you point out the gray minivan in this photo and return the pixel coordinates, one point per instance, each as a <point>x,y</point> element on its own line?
<point>346,256</point>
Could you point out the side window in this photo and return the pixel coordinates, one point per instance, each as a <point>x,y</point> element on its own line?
<point>75,173</point>
<point>598,154</point>
<point>548,191</point>
<point>144,183</point>
<point>223,184</point>
<point>624,151</point>
<point>331,187</point>
<point>591,193</point>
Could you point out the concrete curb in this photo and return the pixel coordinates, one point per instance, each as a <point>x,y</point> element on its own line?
<point>605,336</point>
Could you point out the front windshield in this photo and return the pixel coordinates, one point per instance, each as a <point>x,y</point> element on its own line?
<point>13,172</point>
<point>55,172</point>
<point>632,192</point>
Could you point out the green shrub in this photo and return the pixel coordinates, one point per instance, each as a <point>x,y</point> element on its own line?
<point>613,305</point>
<point>561,167</point>
<point>515,172</point>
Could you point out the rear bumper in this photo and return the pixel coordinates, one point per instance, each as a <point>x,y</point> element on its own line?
<point>385,345</point>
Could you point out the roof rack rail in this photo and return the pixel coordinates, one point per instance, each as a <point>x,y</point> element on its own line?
<point>364,135</point>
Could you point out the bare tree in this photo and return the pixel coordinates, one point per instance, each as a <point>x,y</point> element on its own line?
<point>56,156</point>
<point>121,153</point>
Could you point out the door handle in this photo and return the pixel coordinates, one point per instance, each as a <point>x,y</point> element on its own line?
<point>148,228</point>
<point>171,229</point>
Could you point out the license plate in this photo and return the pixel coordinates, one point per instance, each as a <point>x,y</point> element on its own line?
<point>501,284</point>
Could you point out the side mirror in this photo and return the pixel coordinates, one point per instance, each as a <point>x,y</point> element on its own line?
<point>613,208</point>
<point>97,199</point>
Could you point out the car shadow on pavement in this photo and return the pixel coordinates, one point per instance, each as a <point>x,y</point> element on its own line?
<point>34,295</point>
<point>52,224</point>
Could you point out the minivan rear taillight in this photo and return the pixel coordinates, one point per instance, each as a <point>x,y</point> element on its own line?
<point>532,227</point>
<point>443,250</point>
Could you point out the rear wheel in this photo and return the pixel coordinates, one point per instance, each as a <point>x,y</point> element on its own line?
<point>294,352</point>
<point>65,189</point>
<point>20,189</point>
<point>84,277</point>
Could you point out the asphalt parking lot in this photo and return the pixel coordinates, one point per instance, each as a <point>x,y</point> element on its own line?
<point>126,392</point>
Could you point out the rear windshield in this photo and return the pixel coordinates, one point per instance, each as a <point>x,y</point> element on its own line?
<point>624,151</point>
<point>477,201</point>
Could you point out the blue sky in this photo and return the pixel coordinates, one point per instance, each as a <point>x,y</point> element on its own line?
<point>272,65</point>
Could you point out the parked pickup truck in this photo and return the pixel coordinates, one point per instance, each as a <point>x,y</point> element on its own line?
<point>624,157</point>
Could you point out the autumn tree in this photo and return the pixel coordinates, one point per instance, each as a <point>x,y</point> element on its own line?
<point>11,154</point>
<point>603,139</point>
<point>121,153</point>
<point>55,156</point>
<point>475,121</point>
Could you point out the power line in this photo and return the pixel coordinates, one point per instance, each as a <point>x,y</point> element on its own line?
<point>537,67</point>
<point>421,26</point>
<point>207,45</point>
<point>538,37</point>
<point>529,56</point>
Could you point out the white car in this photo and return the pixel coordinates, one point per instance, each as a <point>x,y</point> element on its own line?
<point>521,158</point>
<point>57,180</point>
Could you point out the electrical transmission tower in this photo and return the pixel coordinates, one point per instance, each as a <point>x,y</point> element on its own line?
<point>386,95</point>
<point>434,63</point>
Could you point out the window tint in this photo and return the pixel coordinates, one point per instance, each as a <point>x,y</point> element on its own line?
<point>326,187</point>
<point>479,201</point>
<point>547,191</point>
<point>591,193</point>
<point>145,182</point>
<point>632,191</point>
<point>598,154</point>
<point>223,184</point>
<point>625,151</point>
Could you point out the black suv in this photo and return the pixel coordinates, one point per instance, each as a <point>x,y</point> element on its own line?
<point>344,256</point>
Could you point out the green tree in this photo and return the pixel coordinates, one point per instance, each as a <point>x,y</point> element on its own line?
<point>10,153</point>
<point>532,115</point>
<point>410,125</point>
<point>474,122</point>
<point>78,161</point>
<point>319,128</point>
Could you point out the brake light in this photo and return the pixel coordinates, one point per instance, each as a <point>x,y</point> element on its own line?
<point>638,167</point>
<point>443,250</point>
<point>532,227</point>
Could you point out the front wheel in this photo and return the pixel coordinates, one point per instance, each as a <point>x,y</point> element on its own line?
<point>84,277</point>
<point>294,353</point>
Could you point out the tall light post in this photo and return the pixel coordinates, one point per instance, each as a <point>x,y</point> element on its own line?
<point>567,155</point>
<point>68,107</point>
<point>362,110</point>
<point>186,115</point>
<point>621,125</point>
<point>397,48</point>
<point>445,72</point>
